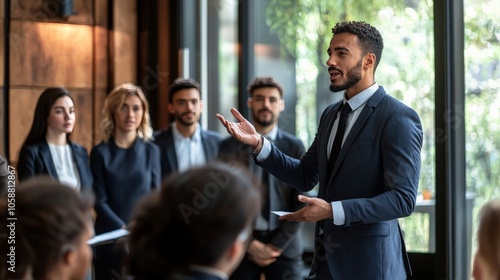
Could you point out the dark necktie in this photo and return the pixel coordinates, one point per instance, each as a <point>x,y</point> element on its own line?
<point>339,136</point>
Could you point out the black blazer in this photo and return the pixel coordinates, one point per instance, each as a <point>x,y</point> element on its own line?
<point>36,160</point>
<point>282,196</point>
<point>168,157</point>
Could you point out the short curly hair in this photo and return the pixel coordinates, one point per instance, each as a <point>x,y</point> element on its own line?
<point>369,37</point>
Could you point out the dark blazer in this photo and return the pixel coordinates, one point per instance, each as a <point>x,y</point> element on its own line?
<point>168,157</point>
<point>376,178</point>
<point>36,159</point>
<point>193,275</point>
<point>121,178</point>
<point>282,197</point>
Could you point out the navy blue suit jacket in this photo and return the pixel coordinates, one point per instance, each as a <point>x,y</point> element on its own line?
<point>168,157</point>
<point>36,160</point>
<point>282,197</point>
<point>375,177</point>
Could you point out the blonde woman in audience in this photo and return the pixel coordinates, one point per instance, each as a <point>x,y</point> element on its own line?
<point>52,226</point>
<point>125,166</point>
<point>487,260</point>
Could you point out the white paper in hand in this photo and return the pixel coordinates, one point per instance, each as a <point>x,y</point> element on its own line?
<point>281,213</point>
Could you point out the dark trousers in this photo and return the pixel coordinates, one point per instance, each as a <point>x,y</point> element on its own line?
<point>109,262</point>
<point>282,268</point>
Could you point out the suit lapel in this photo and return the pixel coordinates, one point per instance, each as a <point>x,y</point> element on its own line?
<point>171,154</point>
<point>363,116</point>
<point>47,160</point>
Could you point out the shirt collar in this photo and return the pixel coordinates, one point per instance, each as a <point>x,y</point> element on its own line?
<point>210,270</point>
<point>272,134</point>
<point>359,99</point>
<point>179,137</point>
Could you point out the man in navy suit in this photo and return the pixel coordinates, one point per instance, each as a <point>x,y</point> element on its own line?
<point>184,144</point>
<point>276,248</point>
<point>370,178</point>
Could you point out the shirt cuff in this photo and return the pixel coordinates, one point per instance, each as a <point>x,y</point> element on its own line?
<point>338,213</point>
<point>265,151</point>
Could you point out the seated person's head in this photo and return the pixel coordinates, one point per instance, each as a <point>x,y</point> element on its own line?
<point>51,230</point>
<point>487,259</point>
<point>202,217</point>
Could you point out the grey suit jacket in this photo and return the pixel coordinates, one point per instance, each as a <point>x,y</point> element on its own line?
<point>168,157</point>
<point>282,196</point>
<point>375,177</point>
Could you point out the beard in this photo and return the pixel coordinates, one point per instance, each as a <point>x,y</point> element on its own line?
<point>179,118</point>
<point>262,122</point>
<point>353,77</point>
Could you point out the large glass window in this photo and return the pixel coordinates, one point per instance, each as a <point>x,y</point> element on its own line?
<point>406,72</point>
<point>482,103</point>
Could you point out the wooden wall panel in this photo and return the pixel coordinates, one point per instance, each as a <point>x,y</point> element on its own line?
<point>47,10</point>
<point>83,132</point>
<point>21,109</point>
<point>54,54</point>
<point>99,97</point>
<point>2,122</point>
<point>101,43</point>
<point>101,13</point>
<point>124,42</point>
<point>2,60</point>
<point>2,4</point>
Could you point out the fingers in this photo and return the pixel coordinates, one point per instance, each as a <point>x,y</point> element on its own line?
<point>305,199</point>
<point>222,119</point>
<point>237,115</point>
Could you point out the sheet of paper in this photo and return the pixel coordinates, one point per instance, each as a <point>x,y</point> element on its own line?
<point>281,213</point>
<point>108,236</point>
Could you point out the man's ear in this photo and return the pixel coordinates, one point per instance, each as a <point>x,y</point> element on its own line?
<point>282,104</point>
<point>69,255</point>
<point>170,108</point>
<point>249,103</point>
<point>369,61</point>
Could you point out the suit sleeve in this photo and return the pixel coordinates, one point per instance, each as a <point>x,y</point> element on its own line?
<point>106,218</point>
<point>289,230</point>
<point>26,164</point>
<point>156,176</point>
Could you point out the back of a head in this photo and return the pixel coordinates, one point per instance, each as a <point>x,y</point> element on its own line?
<point>194,219</point>
<point>48,215</point>
<point>488,236</point>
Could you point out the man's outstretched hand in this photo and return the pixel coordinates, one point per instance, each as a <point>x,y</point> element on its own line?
<point>242,130</point>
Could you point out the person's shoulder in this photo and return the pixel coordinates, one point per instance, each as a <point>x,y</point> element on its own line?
<point>100,148</point>
<point>78,148</point>
<point>395,105</point>
<point>162,133</point>
<point>151,146</point>
<point>212,134</point>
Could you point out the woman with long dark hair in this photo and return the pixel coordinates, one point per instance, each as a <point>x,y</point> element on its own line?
<point>48,148</point>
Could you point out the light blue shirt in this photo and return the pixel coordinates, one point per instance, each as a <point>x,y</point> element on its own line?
<point>189,150</point>
<point>357,104</point>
